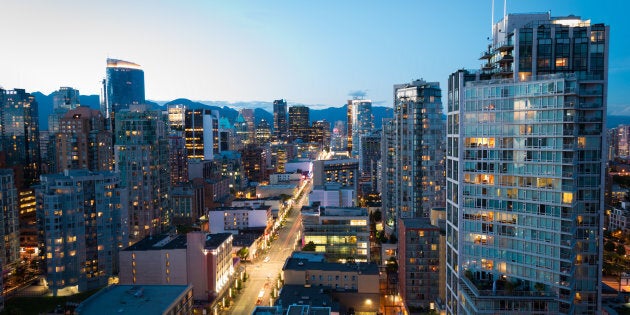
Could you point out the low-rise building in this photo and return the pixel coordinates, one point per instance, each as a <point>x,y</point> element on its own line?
<point>354,285</point>
<point>233,219</point>
<point>139,299</point>
<point>341,233</point>
<point>333,195</point>
<point>198,258</point>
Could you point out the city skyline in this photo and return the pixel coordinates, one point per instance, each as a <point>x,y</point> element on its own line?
<point>319,54</point>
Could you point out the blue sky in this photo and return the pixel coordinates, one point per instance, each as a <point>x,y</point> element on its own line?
<point>310,52</point>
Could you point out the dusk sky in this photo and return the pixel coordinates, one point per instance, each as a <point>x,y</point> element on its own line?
<point>309,52</point>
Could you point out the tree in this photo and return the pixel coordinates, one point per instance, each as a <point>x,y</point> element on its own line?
<point>621,250</point>
<point>310,247</point>
<point>243,253</point>
<point>609,246</point>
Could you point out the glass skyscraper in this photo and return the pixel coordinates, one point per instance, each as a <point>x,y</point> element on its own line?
<point>280,127</point>
<point>525,172</point>
<point>123,86</point>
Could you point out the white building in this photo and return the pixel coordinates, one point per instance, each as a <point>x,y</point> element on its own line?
<point>233,219</point>
<point>333,195</point>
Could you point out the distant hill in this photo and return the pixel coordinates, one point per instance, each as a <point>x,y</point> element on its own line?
<point>230,110</point>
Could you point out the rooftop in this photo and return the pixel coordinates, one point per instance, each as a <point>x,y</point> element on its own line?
<point>133,299</point>
<point>297,296</point>
<point>215,240</point>
<point>421,223</point>
<point>306,264</point>
<point>159,242</point>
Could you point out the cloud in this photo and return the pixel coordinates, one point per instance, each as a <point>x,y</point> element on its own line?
<point>358,93</point>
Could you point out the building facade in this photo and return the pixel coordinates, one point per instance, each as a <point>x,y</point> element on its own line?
<point>341,233</point>
<point>201,132</point>
<point>123,86</point>
<point>83,222</point>
<point>413,153</point>
<point>82,141</point>
<point>141,155</point>
<point>19,135</point>
<point>9,222</point>
<point>419,262</point>
<point>280,126</point>
<point>299,125</point>
<point>525,172</point>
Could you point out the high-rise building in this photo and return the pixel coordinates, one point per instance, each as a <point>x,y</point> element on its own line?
<point>619,142</point>
<point>299,125</point>
<point>201,130</point>
<point>280,127</point>
<point>9,222</point>
<point>19,135</point>
<point>64,99</point>
<point>387,174</point>
<point>263,132</point>
<point>122,87</point>
<point>82,218</point>
<point>176,114</point>
<point>342,171</point>
<point>360,123</point>
<point>82,141</point>
<point>177,160</point>
<point>414,156</point>
<point>141,154</point>
<point>369,157</point>
<point>418,253</point>
<point>320,133</point>
<point>525,171</point>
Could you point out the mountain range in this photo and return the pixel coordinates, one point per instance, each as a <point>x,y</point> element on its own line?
<point>230,110</point>
<point>226,109</point>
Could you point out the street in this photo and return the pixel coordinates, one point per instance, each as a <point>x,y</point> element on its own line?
<point>264,273</point>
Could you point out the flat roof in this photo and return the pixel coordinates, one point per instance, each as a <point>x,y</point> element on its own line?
<point>215,240</point>
<point>158,242</point>
<point>420,223</point>
<point>306,264</point>
<point>299,295</point>
<point>133,299</point>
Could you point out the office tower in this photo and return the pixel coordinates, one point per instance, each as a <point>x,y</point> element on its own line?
<point>338,141</point>
<point>254,163</point>
<point>369,157</point>
<point>177,160</point>
<point>176,114</point>
<point>320,133</point>
<point>9,222</point>
<point>122,87</point>
<point>64,99</point>
<point>227,135</point>
<point>241,128</point>
<point>525,170</point>
<point>299,125</point>
<point>418,254</point>
<point>230,165</point>
<point>248,116</point>
<point>413,152</point>
<point>82,218</point>
<point>263,132</point>
<point>360,123</point>
<point>280,127</point>
<point>82,141</point>
<point>19,135</point>
<point>201,130</point>
<point>141,154</point>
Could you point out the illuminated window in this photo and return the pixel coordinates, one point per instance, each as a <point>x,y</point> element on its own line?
<point>562,62</point>
<point>567,197</point>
